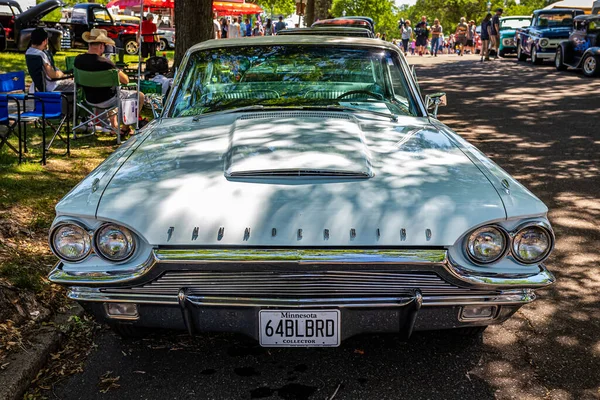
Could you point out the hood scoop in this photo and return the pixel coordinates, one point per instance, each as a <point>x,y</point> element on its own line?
<point>297,146</point>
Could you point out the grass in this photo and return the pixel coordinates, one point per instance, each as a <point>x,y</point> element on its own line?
<point>28,194</point>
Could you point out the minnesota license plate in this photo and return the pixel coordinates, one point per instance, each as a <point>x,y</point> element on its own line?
<point>295,328</point>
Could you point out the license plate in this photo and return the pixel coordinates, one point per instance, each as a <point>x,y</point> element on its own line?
<point>294,328</point>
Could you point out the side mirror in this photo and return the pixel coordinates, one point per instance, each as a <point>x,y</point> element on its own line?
<point>434,101</point>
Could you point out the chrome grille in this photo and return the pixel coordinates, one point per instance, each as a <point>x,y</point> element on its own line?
<point>297,284</point>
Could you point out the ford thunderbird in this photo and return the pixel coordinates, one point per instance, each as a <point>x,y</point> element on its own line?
<point>299,190</point>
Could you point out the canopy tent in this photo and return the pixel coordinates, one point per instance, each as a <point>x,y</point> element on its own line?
<point>221,7</point>
<point>585,5</point>
<point>122,4</point>
<point>231,8</point>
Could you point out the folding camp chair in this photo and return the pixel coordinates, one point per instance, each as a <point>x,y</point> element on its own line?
<point>86,111</point>
<point>49,106</point>
<point>35,67</point>
<point>10,123</point>
<point>13,85</point>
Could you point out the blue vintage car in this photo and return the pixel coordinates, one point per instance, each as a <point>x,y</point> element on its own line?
<point>582,50</point>
<point>508,29</point>
<point>548,28</point>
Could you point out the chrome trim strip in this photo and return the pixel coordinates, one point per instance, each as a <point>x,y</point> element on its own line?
<point>514,297</point>
<point>404,258</point>
<point>102,277</point>
<point>538,279</point>
<point>302,256</point>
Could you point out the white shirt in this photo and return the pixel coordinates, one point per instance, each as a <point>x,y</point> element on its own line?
<point>216,28</point>
<point>235,31</point>
<point>50,85</point>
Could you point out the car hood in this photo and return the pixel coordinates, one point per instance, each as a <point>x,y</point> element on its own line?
<point>551,33</point>
<point>37,12</point>
<point>508,32</point>
<point>407,183</point>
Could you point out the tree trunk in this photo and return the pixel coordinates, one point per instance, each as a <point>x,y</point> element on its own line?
<point>322,9</point>
<point>309,13</point>
<point>193,21</point>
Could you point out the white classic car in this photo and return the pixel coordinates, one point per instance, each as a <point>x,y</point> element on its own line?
<point>297,189</point>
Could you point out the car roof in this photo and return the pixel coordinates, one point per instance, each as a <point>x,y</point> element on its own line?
<point>558,11</point>
<point>358,22</point>
<point>516,17</point>
<point>326,30</point>
<point>292,40</point>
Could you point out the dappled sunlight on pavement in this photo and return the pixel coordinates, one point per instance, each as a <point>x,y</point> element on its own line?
<point>543,127</point>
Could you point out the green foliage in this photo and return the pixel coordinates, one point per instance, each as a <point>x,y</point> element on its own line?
<point>383,12</point>
<point>275,8</point>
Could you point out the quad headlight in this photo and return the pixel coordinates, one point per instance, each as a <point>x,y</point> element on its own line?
<point>486,244</point>
<point>531,244</point>
<point>70,242</point>
<point>114,242</point>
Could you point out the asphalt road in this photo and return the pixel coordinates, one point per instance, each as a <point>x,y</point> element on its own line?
<point>541,126</point>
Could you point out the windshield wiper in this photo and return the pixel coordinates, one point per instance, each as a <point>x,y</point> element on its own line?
<point>231,110</point>
<point>391,116</point>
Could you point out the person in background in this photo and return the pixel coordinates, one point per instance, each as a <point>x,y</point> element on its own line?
<point>486,33</point>
<point>258,29</point>
<point>224,28</point>
<point>148,33</point>
<point>280,25</point>
<point>93,61</point>
<point>383,37</point>
<point>422,33</point>
<point>242,27</point>
<point>461,35</point>
<point>471,37</point>
<point>495,31</point>
<point>234,29</point>
<point>378,35</point>
<point>248,27</point>
<point>269,27</point>
<point>39,46</point>
<point>413,46</point>
<point>216,27</point>
<point>436,37</point>
<point>407,33</point>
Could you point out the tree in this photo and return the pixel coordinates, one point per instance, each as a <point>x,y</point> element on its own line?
<point>275,8</point>
<point>193,20</point>
<point>383,12</point>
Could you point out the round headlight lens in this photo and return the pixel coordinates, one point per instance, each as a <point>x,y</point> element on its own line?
<point>544,42</point>
<point>531,244</point>
<point>71,242</point>
<point>114,242</point>
<point>486,244</point>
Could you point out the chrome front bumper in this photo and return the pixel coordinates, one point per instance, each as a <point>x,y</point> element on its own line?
<point>224,290</point>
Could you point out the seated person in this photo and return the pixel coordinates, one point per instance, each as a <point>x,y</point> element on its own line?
<point>93,61</point>
<point>46,77</point>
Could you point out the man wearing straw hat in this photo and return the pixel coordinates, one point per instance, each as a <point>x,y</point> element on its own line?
<point>93,61</point>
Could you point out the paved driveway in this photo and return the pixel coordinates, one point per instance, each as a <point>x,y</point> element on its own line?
<point>541,126</point>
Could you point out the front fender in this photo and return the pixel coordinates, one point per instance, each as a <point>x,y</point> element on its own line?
<point>595,51</point>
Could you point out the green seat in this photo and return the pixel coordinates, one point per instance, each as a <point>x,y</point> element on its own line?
<point>69,64</point>
<point>85,110</point>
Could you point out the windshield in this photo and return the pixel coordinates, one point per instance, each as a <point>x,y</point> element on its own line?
<point>293,76</point>
<point>515,23</point>
<point>554,20</point>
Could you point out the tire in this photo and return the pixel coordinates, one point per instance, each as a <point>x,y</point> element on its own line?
<point>163,45</point>
<point>468,331</point>
<point>534,58</point>
<point>520,55</point>
<point>128,331</point>
<point>558,60</point>
<point>131,47</point>
<point>591,66</point>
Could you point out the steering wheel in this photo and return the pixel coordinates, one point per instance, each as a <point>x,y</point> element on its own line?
<point>371,94</point>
